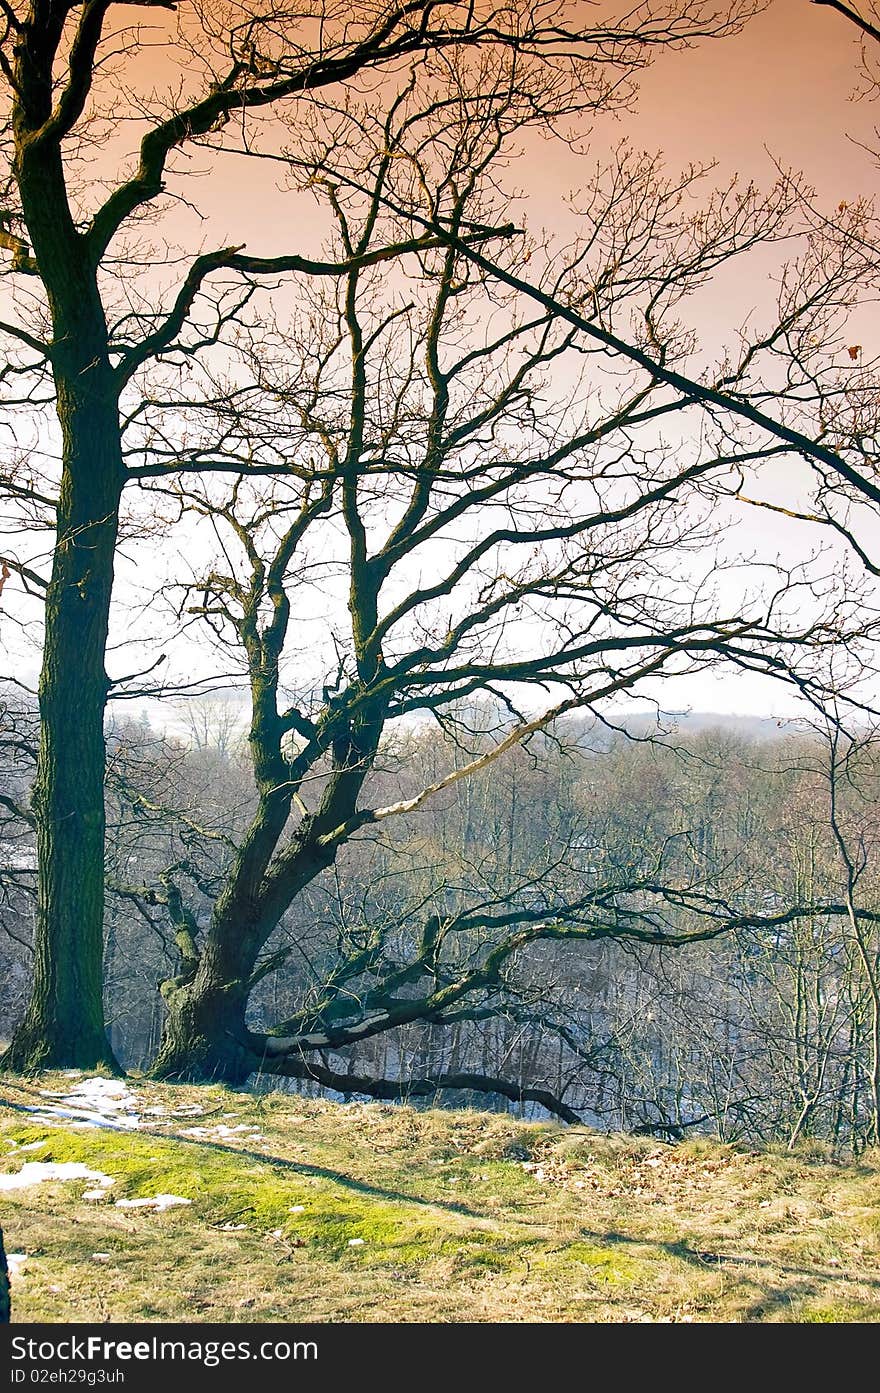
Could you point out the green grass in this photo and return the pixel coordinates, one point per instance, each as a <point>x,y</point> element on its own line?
<point>371,1212</point>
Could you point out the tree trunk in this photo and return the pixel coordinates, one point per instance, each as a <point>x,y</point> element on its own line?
<point>64,1024</point>
<point>204,1035</point>
<point>4,1284</point>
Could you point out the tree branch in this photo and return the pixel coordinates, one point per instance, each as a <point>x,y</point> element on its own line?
<point>686,386</point>
<point>418,1088</point>
<point>852,15</point>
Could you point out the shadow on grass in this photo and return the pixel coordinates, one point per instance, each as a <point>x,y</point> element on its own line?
<point>362,1187</point>
<point>807,1281</point>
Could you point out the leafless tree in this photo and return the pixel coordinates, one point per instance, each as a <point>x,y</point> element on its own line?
<point>83,327</point>
<point>487,533</point>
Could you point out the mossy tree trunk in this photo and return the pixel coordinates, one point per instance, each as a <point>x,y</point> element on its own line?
<point>206,1034</point>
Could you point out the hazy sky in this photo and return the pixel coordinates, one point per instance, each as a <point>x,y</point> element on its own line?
<point>785,83</point>
<point>783,90</point>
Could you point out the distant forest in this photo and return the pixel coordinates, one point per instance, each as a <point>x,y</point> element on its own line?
<point>759,1031</point>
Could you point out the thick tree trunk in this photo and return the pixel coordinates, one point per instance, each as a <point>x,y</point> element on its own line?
<point>204,1037</point>
<point>205,1034</point>
<point>64,1024</point>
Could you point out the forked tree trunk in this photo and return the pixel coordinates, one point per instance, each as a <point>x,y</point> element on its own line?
<point>202,1040</point>
<point>204,1036</point>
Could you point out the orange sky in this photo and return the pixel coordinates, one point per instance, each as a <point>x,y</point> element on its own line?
<point>786,83</point>
<point>783,89</point>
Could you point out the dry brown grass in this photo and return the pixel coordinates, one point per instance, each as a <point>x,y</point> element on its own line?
<point>463,1217</point>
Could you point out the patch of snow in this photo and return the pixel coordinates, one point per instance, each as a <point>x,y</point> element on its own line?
<point>31,1146</point>
<point>297,1209</point>
<point>356,1242</point>
<point>223,1133</point>
<point>157,1202</point>
<point>113,1089</point>
<point>101,1257</point>
<point>81,1119</point>
<point>15,1262</point>
<point>34,1172</point>
<point>93,1102</point>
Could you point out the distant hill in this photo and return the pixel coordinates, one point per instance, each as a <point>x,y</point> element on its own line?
<point>593,734</point>
<point>694,722</point>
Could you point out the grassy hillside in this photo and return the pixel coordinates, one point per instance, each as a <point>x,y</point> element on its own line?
<point>307,1210</point>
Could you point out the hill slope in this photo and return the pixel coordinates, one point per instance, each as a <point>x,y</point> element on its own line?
<point>304,1210</point>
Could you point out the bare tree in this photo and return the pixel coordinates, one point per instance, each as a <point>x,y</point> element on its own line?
<point>120,366</point>
<point>487,532</point>
<point>82,335</point>
<point>851,765</point>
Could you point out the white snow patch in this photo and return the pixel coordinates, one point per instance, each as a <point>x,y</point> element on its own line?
<point>223,1133</point>
<point>356,1242</point>
<point>15,1262</point>
<point>34,1172</point>
<point>157,1202</point>
<point>93,1102</point>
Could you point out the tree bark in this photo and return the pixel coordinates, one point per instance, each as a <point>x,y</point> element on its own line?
<point>64,1024</point>
<point>4,1284</point>
<point>204,1037</point>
